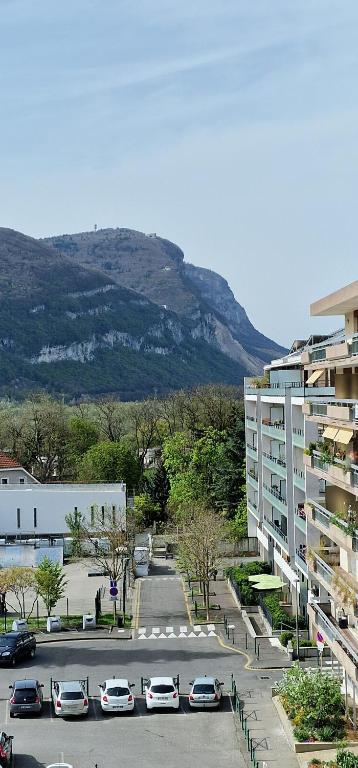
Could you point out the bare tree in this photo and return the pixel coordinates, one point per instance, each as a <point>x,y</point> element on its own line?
<point>144,418</point>
<point>107,539</point>
<point>199,547</point>
<point>21,584</point>
<point>109,415</point>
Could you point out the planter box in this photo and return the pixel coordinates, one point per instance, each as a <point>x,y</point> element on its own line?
<point>307,460</point>
<point>303,746</point>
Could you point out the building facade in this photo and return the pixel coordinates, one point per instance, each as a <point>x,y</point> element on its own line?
<point>302,478</point>
<point>29,509</point>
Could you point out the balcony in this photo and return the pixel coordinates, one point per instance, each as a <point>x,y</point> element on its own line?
<point>251,423</point>
<point>276,388</point>
<point>342,641</point>
<point>300,519</point>
<point>336,471</point>
<point>331,525</point>
<point>275,429</point>
<point>274,464</point>
<point>299,478</point>
<point>300,559</point>
<point>276,532</point>
<point>297,437</point>
<point>272,495</point>
<point>252,507</point>
<point>253,480</point>
<point>251,451</point>
<point>322,571</point>
<point>336,412</point>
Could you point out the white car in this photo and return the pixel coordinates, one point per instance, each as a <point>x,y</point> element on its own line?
<point>116,695</point>
<point>161,692</point>
<point>69,698</point>
<point>206,692</point>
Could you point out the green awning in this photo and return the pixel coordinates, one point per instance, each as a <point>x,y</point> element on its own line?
<point>266,582</point>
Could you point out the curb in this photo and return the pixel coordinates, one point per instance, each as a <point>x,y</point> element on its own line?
<point>80,636</point>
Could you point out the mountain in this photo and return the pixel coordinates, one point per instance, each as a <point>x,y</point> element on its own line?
<point>84,315</point>
<point>155,267</point>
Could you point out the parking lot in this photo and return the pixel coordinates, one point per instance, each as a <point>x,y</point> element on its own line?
<point>144,738</point>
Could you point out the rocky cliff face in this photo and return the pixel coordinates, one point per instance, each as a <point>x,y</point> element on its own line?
<point>155,267</point>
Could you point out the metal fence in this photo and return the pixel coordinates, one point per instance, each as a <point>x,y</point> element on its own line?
<point>239,712</point>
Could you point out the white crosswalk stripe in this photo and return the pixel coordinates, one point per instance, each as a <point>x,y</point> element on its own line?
<point>169,633</point>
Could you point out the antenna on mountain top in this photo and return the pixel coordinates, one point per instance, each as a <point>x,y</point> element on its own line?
<point>95,227</point>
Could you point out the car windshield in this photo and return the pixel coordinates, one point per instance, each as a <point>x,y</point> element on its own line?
<point>25,695</point>
<point>162,688</point>
<point>204,688</point>
<point>71,695</point>
<point>117,691</point>
<point>4,640</point>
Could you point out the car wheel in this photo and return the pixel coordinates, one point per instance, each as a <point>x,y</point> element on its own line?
<point>32,653</point>
<point>11,714</point>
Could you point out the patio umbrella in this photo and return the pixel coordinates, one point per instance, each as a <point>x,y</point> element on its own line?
<point>267,582</point>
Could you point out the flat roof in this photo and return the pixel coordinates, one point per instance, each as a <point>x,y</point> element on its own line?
<point>338,303</point>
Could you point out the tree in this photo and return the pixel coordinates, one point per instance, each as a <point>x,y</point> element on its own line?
<point>50,583</point>
<point>83,434</point>
<point>144,419</point>
<point>199,546</point>
<point>109,414</point>
<point>110,463</point>
<point>107,538</point>
<point>146,511</point>
<point>75,522</point>
<point>21,583</point>
<point>238,525</point>
<point>156,485</point>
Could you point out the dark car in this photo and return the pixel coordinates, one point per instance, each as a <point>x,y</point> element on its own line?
<point>5,750</point>
<point>15,646</point>
<point>26,697</point>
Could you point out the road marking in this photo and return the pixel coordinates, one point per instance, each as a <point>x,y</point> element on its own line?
<point>192,634</point>
<point>163,635</point>
<point>156,630</point>
<point>169,629</point>
<point>173,635</point>
<point>212,634</point>
<point>197,628</point>
<point>211,627</point>
<point>142,630</point>
<point>202,634</point>
<point>152,637</point>
<point>142,637</point>
<point>183,629</point>
<point>6,712</point>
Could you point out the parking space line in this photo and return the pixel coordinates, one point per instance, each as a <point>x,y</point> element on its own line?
<point>94,708</point>
<point>6,712</point>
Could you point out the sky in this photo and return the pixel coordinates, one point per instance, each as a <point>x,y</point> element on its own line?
<point>227,126</point>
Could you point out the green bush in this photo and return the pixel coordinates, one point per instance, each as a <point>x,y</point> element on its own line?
<point>346,759</point>
<point>278,614</point>
<point>285,637</point>
<point>240,575</point>
<point>304,643</point>
<point>313,701</point>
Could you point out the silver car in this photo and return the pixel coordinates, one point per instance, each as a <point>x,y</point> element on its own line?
<point>206,693</point>
<point>26,697</point>
<point>69,698</point>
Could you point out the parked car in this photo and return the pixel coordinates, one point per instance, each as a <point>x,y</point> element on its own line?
<point>69,698</point>
<point>116,695</point>
<point>161,692</point>
<point>26,697</point>
<point>15,646</point>
<point>206,692</point>
<point>6,758</point>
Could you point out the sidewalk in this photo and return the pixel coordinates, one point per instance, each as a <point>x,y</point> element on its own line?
<point>254,688</point>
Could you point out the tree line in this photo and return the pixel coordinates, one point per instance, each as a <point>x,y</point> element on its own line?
<point>200,434</point>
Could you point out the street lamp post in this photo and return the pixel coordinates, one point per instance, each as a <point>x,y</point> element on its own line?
<point>297,632</point>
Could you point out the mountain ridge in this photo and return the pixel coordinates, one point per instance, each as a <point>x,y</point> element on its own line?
<point>71,321</point>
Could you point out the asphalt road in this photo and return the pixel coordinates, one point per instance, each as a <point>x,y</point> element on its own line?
<point>149,739</point>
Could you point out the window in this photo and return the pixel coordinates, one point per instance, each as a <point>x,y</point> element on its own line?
<point>4,481</point>
<point>35,517</point>
<point>22,480</point>
<point>18,518</point>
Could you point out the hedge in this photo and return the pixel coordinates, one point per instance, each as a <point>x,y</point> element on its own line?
<point>278,614</point>
<point>239,576</point>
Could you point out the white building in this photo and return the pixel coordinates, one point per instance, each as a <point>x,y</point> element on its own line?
<point>29,509</point>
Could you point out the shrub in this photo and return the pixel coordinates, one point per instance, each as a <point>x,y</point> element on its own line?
<point>301,733</point>
<point>346,759</point>
<point>278,614</point>
<point>239,575</point>
<point>285,637</point>
<point>314,702</point>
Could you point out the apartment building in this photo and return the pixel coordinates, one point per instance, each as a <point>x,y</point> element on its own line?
<point>275,470</point>
<point>302,478</point>
<point>331,506</point>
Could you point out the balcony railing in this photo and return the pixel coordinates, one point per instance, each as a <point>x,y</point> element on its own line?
<point>301,553</point>
<point>332,632</point>
<point>275,493</point>
<point>275,459</point>
<point>328,519</point>
<point>350,470</point>
<point>275,528</point>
